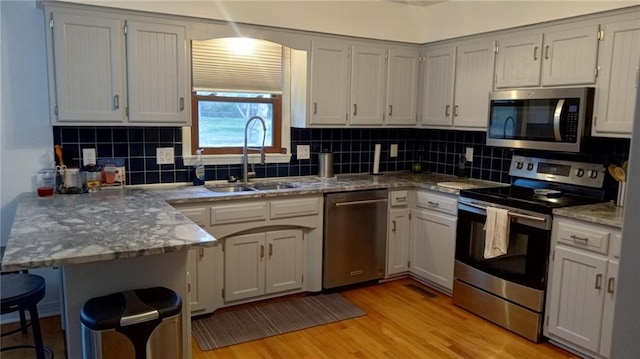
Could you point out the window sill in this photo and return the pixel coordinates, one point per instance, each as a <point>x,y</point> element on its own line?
<point>236,159</point>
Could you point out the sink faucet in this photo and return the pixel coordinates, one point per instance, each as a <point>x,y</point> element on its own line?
<point>246,148</point>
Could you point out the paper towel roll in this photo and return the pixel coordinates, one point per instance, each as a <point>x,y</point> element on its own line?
<point>376,159</point>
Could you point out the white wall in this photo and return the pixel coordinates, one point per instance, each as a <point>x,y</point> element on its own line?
<point>376,18</point>
<point>26,138</point>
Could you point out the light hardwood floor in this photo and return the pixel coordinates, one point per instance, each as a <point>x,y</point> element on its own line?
<point>400,323</point>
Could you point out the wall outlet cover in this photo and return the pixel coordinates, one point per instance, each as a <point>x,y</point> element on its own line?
<point>393,151</point>
<point>469,154</point>
<point>89,156</point>
<point>303,152</point>
<point>164,155</point>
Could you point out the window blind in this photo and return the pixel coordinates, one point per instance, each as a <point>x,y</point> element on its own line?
<point>236,65</point>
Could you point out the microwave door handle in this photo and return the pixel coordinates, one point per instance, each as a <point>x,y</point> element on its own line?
<point>556,120</point>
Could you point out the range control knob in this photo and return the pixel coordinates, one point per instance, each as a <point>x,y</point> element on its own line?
<point>580,172</point>
<point>519,165</point>
<point>529,166</point>
<point>592,173</point>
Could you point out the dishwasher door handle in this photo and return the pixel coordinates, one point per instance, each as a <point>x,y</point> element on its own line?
<point>368,201</point>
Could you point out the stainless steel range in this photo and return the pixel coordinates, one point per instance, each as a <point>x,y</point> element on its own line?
<point>509,289</point>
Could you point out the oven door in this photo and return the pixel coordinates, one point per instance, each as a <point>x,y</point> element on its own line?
<point>526,260</point>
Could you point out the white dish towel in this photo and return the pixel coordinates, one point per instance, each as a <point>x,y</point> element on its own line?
<point>496,241</point>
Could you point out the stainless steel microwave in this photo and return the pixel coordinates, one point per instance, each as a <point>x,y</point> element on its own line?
<point>542,119</point>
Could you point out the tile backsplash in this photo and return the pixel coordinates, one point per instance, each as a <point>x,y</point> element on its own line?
<point>439,151</point>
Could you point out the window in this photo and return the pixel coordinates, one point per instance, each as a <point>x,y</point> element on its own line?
<point>219,122</point>
<point>235,79</point>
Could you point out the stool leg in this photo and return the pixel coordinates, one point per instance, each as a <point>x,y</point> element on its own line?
<point>37,333</point>
<point>23,321</point>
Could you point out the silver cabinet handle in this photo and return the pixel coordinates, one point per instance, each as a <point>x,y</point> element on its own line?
<point>201,252</point>
<point>116,102</point>
<point>270,249</point>
<point>401,199</point>
<point>610,284</point>
<point>394,225</point>
<point>435,204</point>
<point>261,251</point>
<point>637,76</point>
<point>598,281</point>
<point>579,239</point>
<point>181,102</point>
<point>446,110</point>
<point>390,110</point>
<point>535,53</point>
<point>546,52</point>
<point>315,108</point>
<point>455,110</point>
<point>355,109</point>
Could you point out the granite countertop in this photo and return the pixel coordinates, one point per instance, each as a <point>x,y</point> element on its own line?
<point>314,185</point>
<point>110,224</point>
<point>600,213</point>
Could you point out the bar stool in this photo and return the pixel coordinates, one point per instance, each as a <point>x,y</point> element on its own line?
<point>23,292</point>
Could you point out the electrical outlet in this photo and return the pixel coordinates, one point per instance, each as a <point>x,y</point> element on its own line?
<point>469,154</point>
<point>304,152</point>
<point>393,151</point>
<point>164,155</point>
<point>88,156</point>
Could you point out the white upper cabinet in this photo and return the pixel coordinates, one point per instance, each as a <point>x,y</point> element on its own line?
<point>555,58</point>
<point>368,69</point>
<point>569,57</point>
<point>90,80</point>
<point>329,83</point>
<point>619,69</point>
<point>456,85</point>
<point>402,87</point>
<point>156,64</point>
<point>518,61</point>
<point>474,70</point>
<point>105,69</point>
<point>437,82</point>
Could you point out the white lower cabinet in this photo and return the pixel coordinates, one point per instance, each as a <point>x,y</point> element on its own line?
<point>200,281</point>
<point>433,238</point>
<point>398,230</point>
<point>582,286</point>
<point>262,263</point>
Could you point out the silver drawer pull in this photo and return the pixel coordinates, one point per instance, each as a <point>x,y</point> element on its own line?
<point>579,239</point>
<point>401,199</point>
<point>435,204</point>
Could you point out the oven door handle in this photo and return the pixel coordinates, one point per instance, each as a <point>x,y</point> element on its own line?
<point>512,214</point>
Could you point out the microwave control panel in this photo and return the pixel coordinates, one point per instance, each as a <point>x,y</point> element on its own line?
<point>576,173</point>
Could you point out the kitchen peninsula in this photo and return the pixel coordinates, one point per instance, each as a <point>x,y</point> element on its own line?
<point>104,242</point>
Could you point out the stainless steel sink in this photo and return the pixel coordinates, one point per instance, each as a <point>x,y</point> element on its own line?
<point>272,186</point>
<point>231,189</point>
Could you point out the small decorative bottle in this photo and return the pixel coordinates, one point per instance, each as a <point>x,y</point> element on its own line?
<point>463,167</point>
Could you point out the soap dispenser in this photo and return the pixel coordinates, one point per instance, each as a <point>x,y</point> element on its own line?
<point>463,167</point>
<point>198,169</point>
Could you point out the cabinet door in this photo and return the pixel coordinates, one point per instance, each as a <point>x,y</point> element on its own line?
<point>402,87</point>
<point>284,260</point>
<point>244,266</point>
<point>609,308</point>
<point>433,242</point>
<point>200,290</point>
<point>474,81</point>
<point>569,57</point>
<point>518,62</point>
<point>437,87</point>
<point>329,83</point>
<point>157,73</point>
<point>619,64</point>
<point>88,62</point>
<point>398,241</point>
<point>368,67</point>
<point>577,295</point>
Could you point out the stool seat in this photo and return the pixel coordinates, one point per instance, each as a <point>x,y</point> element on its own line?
<point>21,290</point>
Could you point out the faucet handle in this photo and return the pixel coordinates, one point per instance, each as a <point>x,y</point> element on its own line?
<point>232,179</point>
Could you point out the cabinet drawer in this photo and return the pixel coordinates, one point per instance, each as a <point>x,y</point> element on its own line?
<point>437,202</point>
<point>584,236</point>
<point>236,213</point>
<point>295,208</point>
<point>398,198</point>
<point>197,215</point>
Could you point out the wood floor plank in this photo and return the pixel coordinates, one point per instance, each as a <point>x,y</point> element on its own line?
<point>400,323</point>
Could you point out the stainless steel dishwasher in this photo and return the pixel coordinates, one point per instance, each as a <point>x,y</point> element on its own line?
<point>355,237</point>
